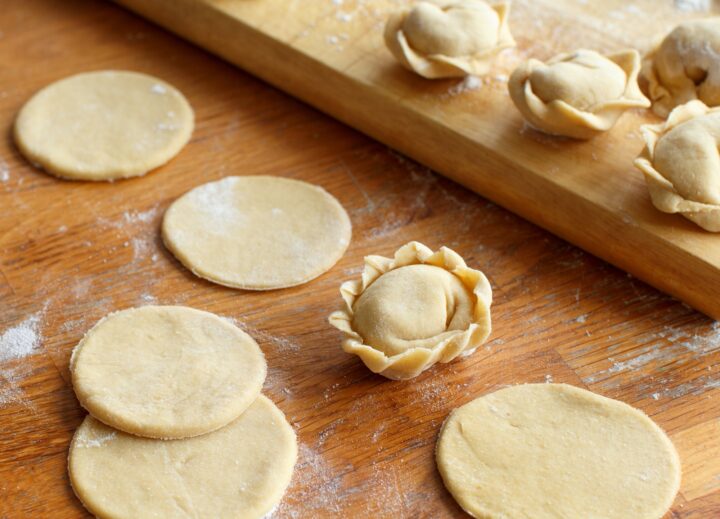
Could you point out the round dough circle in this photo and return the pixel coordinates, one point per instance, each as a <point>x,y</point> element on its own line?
<point>411,307</point>
<point>239,471</point>
<point>167,371</point>
<point>553,450</point>
<point>257,232</point>
<point>104,125</point>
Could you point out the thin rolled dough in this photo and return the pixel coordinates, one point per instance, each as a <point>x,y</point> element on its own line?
<point>240,471</point>
<point>556,451</point>
<point>257,232</point>
<point>167,371</point>
<point>104,125</point>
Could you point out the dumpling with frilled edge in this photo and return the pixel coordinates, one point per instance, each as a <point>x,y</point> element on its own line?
<point>449,38</point>
<point>578,94</point>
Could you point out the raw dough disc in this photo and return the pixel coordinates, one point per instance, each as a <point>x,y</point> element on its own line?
<point>239,471</point>
<point>257,232</point>
<point>104,125</point>
<point>556,451</point>
<point>167,371</point>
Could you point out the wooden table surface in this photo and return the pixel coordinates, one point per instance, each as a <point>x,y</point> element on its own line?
<point>72,252</point>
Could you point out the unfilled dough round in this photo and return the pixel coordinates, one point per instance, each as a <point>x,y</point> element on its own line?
<point>167,371</point>
<point>556,451</point>
<point>412,307</point>
<point>257,232</point>
<point>240,471</point>
<point>104,125</point>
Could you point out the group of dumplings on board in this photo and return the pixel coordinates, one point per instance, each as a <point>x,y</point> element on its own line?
<point>583,93</point>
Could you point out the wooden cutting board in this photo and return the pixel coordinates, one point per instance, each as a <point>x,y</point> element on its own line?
<point>71,252</point>
<point>330,53</point>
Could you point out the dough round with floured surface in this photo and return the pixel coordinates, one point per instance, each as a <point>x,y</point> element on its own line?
<point>556,451</point>
<point>167,371</point>
<point>240,471</point>
<point>257,232</point>
<point>104,125</point>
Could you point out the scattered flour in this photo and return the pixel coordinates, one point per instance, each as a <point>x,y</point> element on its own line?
<point>140,247</point>
<point>135,217</point>
<point>319,487</point>
<point>468,84</point>
<point>10,393</point>
<point>280,343</point>
<point>690,6</point>
<point>148,299</point>
<point>98,441</point>
<point>157,88</point>
<point>21,340</point>
<point>17,342</point>
<point>4,171</point>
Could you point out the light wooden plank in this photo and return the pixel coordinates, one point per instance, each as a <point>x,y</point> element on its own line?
<point>331,55</point>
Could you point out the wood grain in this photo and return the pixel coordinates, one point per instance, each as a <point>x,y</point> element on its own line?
<point>72,252</point>
<point>331,54</point>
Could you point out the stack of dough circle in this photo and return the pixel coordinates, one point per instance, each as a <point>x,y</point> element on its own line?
<point>178,427</point>
<point>104,125</point>
<point>556,451</point>
<point>257,232</point>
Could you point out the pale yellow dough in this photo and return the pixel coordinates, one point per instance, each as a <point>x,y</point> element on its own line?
<point>685,66</point>
<point>553,451</point>
<point>449,38</point>
<point>240,471</point>
<point>408,312</point>
<point>257,232</point>
<point>681,164</point>
<point>579,94</point>
<point>167,371</point>
<point>104,125</point>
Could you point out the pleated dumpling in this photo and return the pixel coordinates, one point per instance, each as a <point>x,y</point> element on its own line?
<point>449,38</point>
<point>578,94</point>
